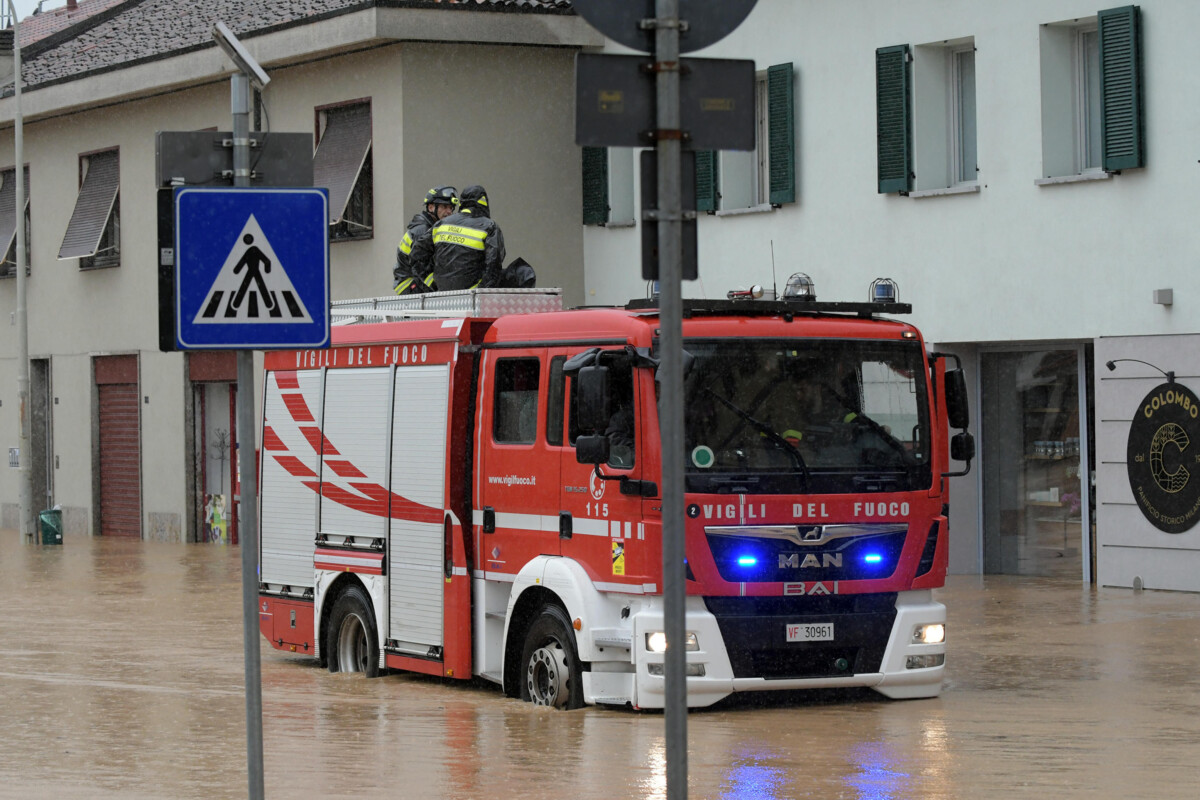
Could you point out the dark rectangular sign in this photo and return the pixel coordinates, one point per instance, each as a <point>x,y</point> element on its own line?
<point>203,158</point>
<point>615,103</point>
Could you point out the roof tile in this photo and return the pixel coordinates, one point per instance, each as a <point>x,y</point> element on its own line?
<point>139,30</point>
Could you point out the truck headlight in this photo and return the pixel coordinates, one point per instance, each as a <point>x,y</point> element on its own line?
<point>656,642</point>
<point>929,634</point>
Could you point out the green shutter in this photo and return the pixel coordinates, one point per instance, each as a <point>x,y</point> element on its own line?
<point>706,180</point>
<point>1122,139</point>
<point>781,134</point>
<point>893,125</point>
<point>595,185</point>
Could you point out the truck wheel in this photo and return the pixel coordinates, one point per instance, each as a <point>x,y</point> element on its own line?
<point>551,674</point>
<point>352,642</point>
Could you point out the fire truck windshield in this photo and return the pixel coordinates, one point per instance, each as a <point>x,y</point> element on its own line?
<point>776,416</point>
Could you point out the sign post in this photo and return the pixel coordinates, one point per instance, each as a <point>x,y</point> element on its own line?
<point>629,22</point>
<point>250,275</point>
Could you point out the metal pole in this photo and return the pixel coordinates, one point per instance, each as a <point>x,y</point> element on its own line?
<point>670,272</point>
<point>24,472</point>
<point>247,467</point>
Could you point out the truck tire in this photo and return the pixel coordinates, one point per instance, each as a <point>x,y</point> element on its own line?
<point>353,645</point>
<point>551,673</point>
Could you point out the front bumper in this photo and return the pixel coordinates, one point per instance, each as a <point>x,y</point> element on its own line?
<point>864,653</point>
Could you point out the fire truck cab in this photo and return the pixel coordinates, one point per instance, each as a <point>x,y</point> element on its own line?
<point>467,493</point>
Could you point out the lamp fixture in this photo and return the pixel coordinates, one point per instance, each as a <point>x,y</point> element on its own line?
<point>1112,365</point>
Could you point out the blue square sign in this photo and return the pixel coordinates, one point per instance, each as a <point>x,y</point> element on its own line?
<point>251,268</point>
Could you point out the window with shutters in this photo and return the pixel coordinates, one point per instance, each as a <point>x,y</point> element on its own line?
<point>765,178</point>
<point>8,221</point>
<point>342,164</point>
<point>608,186</point>
<point>1091,96</point>
<point>944,152</point>
<point>94,233</point>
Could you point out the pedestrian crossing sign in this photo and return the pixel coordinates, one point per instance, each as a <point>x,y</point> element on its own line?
<point>251,268</point>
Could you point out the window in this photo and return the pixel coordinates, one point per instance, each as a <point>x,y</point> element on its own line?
<point>608,186</point>
<point>8,221</point>
<point>926,131</point>
<point>820,416</point>
<point>514,418</point>
<point>765,177</point>
<point>342,164</point>
<point>554,403</point>
<point>94,232</point>
<point>1091,95</point>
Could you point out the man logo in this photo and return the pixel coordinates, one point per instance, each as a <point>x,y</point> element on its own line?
<point>793,560</point>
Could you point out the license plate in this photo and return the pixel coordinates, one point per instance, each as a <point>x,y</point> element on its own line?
<point>814,632</point>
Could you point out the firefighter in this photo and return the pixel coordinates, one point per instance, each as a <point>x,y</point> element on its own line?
<point>440,202</point>
<point>466,249</point>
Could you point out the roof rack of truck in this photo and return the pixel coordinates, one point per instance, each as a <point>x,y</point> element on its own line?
<point>458,303</point>
<point>773,308</point>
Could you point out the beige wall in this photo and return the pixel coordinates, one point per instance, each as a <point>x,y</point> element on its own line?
<point>500,116</point>
<point>503,118</point>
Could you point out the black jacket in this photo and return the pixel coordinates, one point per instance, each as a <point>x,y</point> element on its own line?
<point>465,250</point>
<point>405,279</point>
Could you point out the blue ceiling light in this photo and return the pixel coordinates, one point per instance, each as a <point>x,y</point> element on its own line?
<point>747,561</point>
<point>873,558</point>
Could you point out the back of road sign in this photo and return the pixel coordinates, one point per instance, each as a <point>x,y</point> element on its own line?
<point>251,268</point>
<point>708,21</point>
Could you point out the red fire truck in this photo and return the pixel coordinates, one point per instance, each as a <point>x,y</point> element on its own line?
<point>466,485</point>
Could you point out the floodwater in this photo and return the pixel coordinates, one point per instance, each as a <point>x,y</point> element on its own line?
<point>121,677</point>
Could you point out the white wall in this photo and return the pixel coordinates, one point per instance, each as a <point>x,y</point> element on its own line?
<point>1016,260</point>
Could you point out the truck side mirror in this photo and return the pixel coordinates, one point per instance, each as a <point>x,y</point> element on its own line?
<point>962,447</point>
<point>592,410</point>
<point>957,411</point>
<point>592,449</point>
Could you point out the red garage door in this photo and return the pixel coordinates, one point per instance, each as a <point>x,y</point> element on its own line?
<point>120,449</point>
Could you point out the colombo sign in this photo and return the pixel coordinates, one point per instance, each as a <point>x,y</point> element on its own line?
<point>1163,457</point>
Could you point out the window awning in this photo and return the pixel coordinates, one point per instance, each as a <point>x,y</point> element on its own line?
<point>92,208</point>
<point>341,153</point>
<point>8,207</point>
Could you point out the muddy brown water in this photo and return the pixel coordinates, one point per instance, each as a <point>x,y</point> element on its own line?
<point>121,677</point>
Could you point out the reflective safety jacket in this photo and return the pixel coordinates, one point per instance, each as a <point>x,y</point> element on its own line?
<point>466,250</point>
<point>405,279</point>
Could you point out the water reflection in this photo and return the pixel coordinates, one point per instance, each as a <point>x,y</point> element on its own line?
<point>877,776</point>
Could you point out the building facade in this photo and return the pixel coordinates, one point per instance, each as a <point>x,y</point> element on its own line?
<point>398,96</point>
<point>1022,170</point>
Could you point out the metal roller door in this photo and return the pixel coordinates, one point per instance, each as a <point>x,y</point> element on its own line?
<point>120,447</point>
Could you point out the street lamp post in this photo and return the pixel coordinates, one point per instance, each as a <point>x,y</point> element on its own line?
<point>24,473</point>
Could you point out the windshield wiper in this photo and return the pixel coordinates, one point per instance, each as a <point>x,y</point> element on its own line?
<point>769,432</point>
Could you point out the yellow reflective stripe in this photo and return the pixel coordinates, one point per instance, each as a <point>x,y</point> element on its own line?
<point>464,231</point>
<point>476,286</point>
<point>482,201</point>
<point>403,285</point>
<point>429,279</point>
<point>406,244</point>
<point>792,433</point>
<point>464,237</point>
<point>850,417</point>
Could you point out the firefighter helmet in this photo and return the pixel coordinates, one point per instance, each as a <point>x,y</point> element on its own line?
<point>442,195</point>
<point>474,195</point>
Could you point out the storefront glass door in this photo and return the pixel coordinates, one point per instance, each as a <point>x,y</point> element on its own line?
<point>1036,509</point>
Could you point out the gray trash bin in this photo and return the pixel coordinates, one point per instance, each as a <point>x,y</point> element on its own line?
<point>50,526</point>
